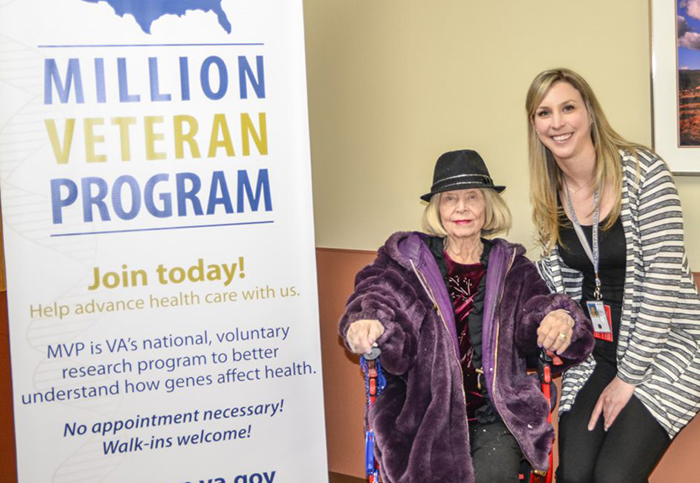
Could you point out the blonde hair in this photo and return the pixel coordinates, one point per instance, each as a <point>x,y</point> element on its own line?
<point>497,217</point>
<point>545,175</point>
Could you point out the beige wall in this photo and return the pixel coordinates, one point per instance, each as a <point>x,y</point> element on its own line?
<point>394,83</point>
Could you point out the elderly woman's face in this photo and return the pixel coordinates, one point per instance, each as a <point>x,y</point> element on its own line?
<point>463,212</point>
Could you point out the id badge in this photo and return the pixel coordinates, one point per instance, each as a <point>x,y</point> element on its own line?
<point>600,316</point>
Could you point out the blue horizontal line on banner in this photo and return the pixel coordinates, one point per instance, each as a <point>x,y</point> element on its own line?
<point>88,46</point>
<point>161,228</point>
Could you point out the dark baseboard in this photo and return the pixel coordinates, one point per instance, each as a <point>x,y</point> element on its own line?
<point>338,478</point>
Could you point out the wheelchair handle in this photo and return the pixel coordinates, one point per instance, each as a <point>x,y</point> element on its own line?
<point>374,353</point>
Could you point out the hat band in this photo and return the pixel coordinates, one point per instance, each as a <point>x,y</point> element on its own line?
<point>486,178</point>
<point>458,180</point>
<point>461,183</point>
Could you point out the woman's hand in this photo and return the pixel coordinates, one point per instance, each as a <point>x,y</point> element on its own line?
<point>555,331</point>
<point>362,334</point>
<point>610,402</point>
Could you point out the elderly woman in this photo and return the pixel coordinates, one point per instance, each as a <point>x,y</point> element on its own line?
<point>456,315</point>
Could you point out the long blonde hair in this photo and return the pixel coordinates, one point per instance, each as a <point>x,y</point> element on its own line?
<point>545,175</point>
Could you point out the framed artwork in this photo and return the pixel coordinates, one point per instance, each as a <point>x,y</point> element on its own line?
<point>675,46</point>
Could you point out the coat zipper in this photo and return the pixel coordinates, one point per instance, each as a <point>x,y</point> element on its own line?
<point>495,367</point>
<point>429,291</point>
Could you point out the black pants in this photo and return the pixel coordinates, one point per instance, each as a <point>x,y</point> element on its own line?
<point>627,452</point>
<point>495,453</point>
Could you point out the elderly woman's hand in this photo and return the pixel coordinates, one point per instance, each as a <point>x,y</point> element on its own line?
<point>555,331</point>
<point>362,334</point>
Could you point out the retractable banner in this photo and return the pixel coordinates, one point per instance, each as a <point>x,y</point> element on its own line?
<point>156,200</point>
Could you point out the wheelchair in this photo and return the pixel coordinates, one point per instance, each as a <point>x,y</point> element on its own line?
<point>375,381</point>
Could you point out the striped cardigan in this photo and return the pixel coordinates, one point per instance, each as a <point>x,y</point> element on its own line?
<point>659,341</point>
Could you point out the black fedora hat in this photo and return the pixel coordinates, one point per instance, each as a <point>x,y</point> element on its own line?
<point>460,170</point>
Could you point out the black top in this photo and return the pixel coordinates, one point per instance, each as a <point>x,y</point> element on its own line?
<point>613,258</point>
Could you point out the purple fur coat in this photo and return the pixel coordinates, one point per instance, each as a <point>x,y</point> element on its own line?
<point>420,419</point>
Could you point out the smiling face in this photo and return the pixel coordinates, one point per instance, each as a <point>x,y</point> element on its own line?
<point>563,124</point>
<point>463,213</point>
